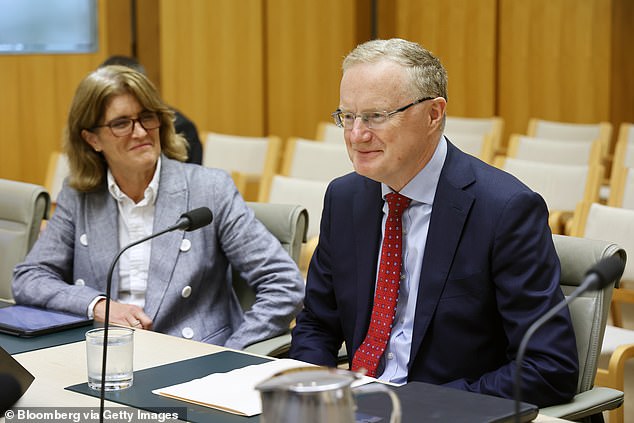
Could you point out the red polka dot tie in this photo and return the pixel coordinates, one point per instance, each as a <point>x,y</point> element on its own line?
<point>369,353</point>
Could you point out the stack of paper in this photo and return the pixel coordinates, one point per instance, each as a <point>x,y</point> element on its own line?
<point>234,391</point>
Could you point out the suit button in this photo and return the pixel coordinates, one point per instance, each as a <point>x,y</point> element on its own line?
<point>186,292</point>
<point>188,333</point>
<point>186,245</point>
<point>80,282</point>
<point>83,240</point>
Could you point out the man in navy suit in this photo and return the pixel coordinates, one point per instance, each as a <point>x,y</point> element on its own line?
<point>478,262</point>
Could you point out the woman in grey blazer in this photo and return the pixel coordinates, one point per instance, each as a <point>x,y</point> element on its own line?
<point>127,180</point>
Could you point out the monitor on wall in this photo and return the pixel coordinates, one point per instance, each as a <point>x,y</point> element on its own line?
<point>48,26</point>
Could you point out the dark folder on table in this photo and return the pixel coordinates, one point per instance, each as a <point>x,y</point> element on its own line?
<point>27,321</point>
<point>432,403</point>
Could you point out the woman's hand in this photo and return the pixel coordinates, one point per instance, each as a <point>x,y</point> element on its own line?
<point>123,314</point>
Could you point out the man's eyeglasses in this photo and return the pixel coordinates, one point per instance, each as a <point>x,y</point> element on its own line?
<point>372,120</point>
<point>125,126</point>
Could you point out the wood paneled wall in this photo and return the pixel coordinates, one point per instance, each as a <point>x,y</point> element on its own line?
<point>462,33</point>
<point>306,42</point>
<point>259,67</point>
<point>212,63</point>
<point>554,61</point>
<point>255,67</point>
<point>36,93</point>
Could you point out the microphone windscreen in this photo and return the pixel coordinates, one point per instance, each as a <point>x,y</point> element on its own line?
<point>607,270</point>
<point>197,218</point>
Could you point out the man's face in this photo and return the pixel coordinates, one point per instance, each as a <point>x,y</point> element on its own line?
<point>395,151</point>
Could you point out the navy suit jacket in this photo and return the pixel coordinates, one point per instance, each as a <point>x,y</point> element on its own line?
<point>489,271</point>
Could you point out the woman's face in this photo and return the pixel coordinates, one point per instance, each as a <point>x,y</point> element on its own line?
<point>132,152</point>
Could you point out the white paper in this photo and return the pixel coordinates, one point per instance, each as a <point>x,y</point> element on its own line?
<point>234,391</point>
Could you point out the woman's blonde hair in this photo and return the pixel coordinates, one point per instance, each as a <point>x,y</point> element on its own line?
<point>93,95</point>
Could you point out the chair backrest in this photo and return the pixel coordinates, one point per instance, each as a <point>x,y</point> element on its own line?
<point>315,160</point>
<point>244,154</point>
<point>554,151</point>
<point>598,221</point>
<point>22,208</point>
<point>601,131</point>
<point>56,172</point>
<point>248,159</point>
<point>288,223</point>
<point>622,187</point>
<point>330,133</point>
<point>561,186</point>
<point>492,126</point>
<point>589,312</point>
<point>478,145</point>
<point>310,194</point>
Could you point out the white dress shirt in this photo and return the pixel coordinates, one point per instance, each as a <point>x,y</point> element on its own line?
<point>136,220</point>
<point>415,222</point>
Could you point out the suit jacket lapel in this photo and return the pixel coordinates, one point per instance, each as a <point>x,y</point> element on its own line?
<point>449,213</point>
<point>171,203</point>
<point>367,212</point>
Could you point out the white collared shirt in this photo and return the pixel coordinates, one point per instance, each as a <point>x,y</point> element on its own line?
<point>415,222</point>
<point>136,220</point>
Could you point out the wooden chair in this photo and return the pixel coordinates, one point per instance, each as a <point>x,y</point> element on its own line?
<point>597,221</point>
<point>478,145</point>
<point>248,159</point>
<point>624,149</point>
<point>330,133</point>
<point>548,129</point>
<point>622,176</point>
<point>561,186</point>
<point>56,172</point>
<point>315,160</point>
<point>622,188</point>
<point>588,132</point>
<point>307,193</point>
<point>492,126</point>
<point>554,151</point>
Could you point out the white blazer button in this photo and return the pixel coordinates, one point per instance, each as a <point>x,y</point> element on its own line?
<point>83,239</point>
<point>186,245</point>
<point>186,292</point>
<point>80,282</point>
<point>187,333</point>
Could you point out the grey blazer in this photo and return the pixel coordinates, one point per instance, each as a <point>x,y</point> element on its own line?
<point>189,290</point>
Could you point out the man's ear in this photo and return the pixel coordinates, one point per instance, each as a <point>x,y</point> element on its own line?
<point>91,139</point>
<point>437,110</point>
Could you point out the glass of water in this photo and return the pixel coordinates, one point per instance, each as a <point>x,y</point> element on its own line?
<point>119,371</point>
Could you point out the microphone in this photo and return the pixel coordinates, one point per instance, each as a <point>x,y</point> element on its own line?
<point>189,221</point>
<point>597,277</point>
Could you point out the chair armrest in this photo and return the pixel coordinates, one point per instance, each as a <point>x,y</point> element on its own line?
<point>613,377</point>
<point>273,347</point>
<point>584,404</point>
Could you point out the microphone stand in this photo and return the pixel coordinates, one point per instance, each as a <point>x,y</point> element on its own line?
<point>107,315</point>
<point>190,221</point>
